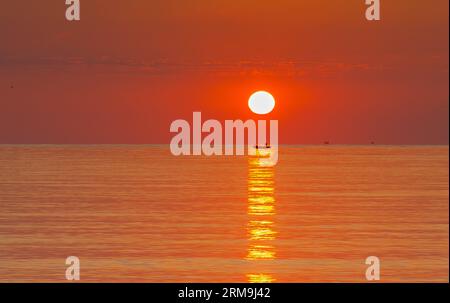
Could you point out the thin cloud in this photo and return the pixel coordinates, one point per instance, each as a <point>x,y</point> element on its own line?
<point>292,68</point>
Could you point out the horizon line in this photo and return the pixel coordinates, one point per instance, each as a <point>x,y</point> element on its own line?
<point>168,144</point>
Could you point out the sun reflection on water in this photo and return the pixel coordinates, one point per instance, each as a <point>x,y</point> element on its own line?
<point>260,278</point>
<point>261,211</point>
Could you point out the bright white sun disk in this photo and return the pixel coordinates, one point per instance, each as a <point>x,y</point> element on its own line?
<point>261,102</point>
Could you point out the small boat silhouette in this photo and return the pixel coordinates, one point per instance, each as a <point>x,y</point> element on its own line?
<point>262,146</point>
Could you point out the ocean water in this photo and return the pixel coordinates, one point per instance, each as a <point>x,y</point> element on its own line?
<point>135,213</point>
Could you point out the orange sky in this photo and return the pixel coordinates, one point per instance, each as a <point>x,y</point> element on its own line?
<point>129,68</point>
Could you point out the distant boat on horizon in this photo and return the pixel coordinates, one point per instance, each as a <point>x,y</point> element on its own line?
<point>267,146</point>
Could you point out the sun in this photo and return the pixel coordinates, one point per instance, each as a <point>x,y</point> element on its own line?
<point>261,102</point>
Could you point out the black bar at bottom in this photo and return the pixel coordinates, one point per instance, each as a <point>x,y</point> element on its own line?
<point>224,292</point>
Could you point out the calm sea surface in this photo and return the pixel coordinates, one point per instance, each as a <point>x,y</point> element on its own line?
<point>137,213</point>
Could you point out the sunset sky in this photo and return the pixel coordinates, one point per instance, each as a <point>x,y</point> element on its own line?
<point>129,68</point>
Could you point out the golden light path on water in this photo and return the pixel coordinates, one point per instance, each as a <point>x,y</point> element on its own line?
<point>135,214</point>
<point>261,212</point>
